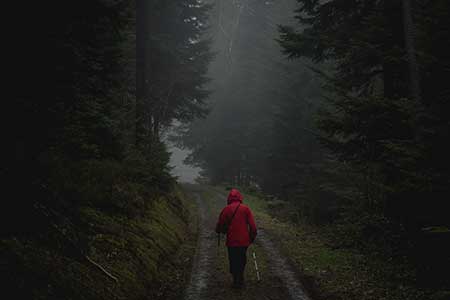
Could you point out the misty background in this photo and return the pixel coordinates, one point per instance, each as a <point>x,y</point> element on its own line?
<point>249,76</point>
<point>334,114</point>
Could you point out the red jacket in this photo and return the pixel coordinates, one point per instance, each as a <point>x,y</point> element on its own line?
<point>242,230</point>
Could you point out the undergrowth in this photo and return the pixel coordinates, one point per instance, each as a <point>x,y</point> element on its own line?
<point>333,270</point>
<point>147,253</point>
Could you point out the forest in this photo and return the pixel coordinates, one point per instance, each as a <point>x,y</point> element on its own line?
<point>332,116</point>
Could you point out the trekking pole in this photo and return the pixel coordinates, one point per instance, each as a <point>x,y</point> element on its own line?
<point>256,266</point>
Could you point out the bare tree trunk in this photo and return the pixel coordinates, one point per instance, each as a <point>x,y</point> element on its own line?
<point>142,32</point>
<point>156,128</point>
<point>410,32</point>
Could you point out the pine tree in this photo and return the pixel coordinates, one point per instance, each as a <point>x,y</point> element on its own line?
<point>377,119</point>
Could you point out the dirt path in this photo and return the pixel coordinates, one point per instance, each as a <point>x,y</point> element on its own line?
<point>210,278</point>
<point>204,255</point>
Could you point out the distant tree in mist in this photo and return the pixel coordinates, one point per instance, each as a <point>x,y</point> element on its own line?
<point>250,81</point>
<point>172,63</point>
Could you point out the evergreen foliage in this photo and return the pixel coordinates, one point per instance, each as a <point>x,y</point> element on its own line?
<point>373,122</point>
<point>76,163</point>
<point>71,123</point>
<point>377,122</point>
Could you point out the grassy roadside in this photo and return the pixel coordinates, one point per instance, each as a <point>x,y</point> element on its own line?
<point>335,273</point>
<point>150,255</point>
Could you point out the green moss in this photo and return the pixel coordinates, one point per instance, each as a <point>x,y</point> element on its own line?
<point>141,252</point>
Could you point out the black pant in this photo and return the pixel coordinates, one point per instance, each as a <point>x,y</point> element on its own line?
<point>238,258</point>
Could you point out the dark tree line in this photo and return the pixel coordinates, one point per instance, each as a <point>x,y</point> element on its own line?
<point>94,86</point>
<point>383,120</point>
<point>69,89</point>
<point>90,88</point>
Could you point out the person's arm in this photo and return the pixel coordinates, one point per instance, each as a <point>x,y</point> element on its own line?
<point>252,226</point>
<point>221,222</point>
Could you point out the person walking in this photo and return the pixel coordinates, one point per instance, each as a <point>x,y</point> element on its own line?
<point>237,222</point>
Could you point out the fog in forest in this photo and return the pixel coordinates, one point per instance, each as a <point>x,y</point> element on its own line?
<point>185,173</point>
<point>129,127</point>
<point>249,75</point>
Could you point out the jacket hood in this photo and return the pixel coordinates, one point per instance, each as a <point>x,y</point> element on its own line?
<point>234,196</point>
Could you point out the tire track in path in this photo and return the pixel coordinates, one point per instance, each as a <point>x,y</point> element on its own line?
<point>282,269</point>
<point>204,252</point>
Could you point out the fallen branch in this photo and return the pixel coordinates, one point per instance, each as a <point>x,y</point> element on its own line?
<point>48,213</point>
<point>102,269</point>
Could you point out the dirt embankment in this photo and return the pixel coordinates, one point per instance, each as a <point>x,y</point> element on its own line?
<point>149,256</point>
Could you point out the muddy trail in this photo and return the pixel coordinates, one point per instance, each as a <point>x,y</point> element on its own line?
<point>210,278</point>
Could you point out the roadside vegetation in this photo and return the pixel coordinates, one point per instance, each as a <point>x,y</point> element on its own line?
<point>90,209</point>
<point>144,257</point>
<point>331,269</point>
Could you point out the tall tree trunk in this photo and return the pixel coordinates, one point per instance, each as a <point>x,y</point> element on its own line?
<point>156,128</point>
<point>142,32</point>
<point>410,32</point>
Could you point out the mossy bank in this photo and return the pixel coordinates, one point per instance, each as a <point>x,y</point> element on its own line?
<point>149,255</point>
